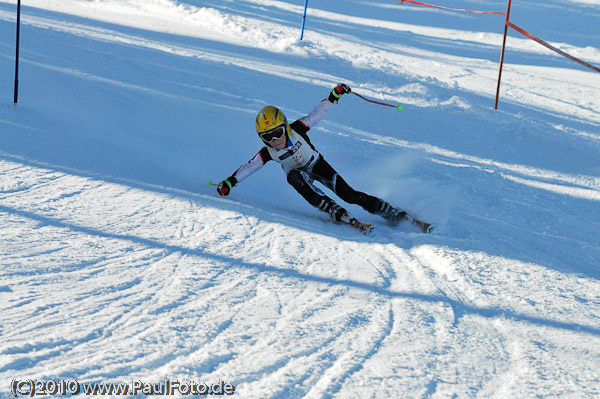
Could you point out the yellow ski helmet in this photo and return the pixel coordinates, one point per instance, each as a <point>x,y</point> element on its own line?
<point>269,118</point>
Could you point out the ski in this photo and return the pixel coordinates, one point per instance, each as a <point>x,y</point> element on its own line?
<point>397,216</point>
<point>425,227</point>
<point>365,228</point>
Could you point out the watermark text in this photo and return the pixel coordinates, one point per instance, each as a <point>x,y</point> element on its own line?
<point>31,388</point>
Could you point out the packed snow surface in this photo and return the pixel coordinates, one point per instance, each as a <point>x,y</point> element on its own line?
<point>120,264</point>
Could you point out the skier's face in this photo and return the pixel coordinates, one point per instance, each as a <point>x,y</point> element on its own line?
<point>280,142</point>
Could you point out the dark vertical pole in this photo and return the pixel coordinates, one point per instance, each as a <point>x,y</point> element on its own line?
<point>17,57</point>
<point>502,55</point>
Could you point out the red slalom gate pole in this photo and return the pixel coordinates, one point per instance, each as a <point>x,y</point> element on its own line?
<point>502,54</point>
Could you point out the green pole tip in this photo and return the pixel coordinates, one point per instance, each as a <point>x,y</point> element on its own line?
<point>399,107</point>
<point>210,183</point>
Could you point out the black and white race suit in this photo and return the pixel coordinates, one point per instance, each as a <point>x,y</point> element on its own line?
<point>303,164</point>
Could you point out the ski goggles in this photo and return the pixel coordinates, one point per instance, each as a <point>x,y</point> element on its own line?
<point>273,134</point>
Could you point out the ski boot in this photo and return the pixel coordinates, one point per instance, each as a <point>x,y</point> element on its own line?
<point>394,215</point>
<point>339,214</point>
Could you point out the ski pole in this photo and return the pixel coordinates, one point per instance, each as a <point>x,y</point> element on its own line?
<point>304,19</point>
<point>210,183</point>
<point>398,107</point>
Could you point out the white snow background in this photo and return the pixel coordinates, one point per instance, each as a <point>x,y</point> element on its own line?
<point>119,263</point>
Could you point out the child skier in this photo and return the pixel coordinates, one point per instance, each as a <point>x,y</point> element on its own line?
<point>289,145</point>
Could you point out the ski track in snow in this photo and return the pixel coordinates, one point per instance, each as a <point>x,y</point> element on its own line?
<point>138,281</point>
<point>114,271</point>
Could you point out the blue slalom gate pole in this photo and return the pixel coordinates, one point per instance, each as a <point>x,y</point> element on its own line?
<point>17,56</point>
<point>304,19</point>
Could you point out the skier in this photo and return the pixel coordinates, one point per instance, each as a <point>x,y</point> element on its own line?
<point>289,145</point>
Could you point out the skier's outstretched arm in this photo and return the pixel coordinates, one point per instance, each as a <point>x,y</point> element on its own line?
<point>322,109</point>
<point>301,125</point>
<point>247,169</point>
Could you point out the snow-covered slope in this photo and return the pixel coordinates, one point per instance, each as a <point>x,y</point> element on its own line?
<point>119,264</point>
